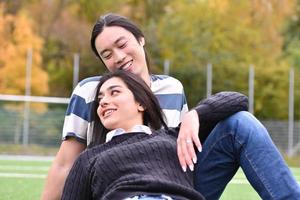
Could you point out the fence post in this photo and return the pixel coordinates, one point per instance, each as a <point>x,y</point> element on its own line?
<point>166,66</point>
<point>75,69</point>
<point>291,114</point>
<point>209,80</point>
<point>27,93</point>
<point>251,89</point>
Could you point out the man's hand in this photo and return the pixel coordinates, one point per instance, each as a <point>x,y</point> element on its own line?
<point>187,138</point>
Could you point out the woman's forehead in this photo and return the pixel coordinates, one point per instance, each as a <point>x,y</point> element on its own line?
<point>114,81</point>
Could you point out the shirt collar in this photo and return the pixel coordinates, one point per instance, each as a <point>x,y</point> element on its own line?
<point>120,131</point>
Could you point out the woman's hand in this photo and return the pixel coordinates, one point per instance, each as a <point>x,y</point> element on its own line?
<point>187,137</point>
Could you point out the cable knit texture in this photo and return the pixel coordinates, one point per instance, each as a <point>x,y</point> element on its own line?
<point>137,163</point>
<point>130,164</point>
<point>217,108</point>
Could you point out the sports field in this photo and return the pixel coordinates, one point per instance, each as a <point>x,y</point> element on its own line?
<point>22,178</point>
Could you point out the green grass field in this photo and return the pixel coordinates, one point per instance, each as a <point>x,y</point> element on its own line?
<point>23,179</point>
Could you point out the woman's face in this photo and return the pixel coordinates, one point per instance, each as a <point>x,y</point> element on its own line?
<point>119,49</point>
<point>117,106</point>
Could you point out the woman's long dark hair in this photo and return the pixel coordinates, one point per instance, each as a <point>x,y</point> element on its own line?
<point>111,19</point>
<point>152,116</point>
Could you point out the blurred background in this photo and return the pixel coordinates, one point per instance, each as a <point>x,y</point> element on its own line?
<point>249,46</point>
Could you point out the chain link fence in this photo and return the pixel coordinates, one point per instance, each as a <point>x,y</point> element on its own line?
<point>45,128</point>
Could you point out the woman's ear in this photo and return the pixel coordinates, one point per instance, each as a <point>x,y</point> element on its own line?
<point>140,108</point>
<point>142,41</point>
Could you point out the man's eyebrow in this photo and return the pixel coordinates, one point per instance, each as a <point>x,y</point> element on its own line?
<point>115,42</point>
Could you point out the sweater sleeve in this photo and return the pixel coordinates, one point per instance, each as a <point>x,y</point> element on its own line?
<point>217,108</point>
<point>77,185</point>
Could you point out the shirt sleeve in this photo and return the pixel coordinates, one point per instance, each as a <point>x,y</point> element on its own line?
<point>184,108</point>
<point>218,107</point>
<point>78,115</point>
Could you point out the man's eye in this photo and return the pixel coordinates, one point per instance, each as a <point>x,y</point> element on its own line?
<point>122,45</point>
<point>106,56</point>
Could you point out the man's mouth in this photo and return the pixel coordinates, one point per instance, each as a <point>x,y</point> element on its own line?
<point>127,66</point>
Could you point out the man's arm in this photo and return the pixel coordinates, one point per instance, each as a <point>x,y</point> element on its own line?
<point>63,162</point>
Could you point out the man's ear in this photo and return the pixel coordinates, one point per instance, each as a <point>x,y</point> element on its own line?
<point>142,41</point>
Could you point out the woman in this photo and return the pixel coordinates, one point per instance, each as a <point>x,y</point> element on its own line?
<point>133,152</point>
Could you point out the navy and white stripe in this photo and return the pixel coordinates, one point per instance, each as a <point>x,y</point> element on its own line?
<point>78,123</point>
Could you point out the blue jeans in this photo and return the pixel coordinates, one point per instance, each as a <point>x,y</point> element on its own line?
<point>242,141</point>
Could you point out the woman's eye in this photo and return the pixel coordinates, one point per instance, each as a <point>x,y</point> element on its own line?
<point>100,98</point>
<point>114,92</point>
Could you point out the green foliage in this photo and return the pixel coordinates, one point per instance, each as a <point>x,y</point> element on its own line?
<point>291,35</point>
<point>231,35</point>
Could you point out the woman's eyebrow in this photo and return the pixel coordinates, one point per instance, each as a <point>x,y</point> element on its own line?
<point>109,88</point>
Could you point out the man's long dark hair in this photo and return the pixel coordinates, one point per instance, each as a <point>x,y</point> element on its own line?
<point>152,116</point>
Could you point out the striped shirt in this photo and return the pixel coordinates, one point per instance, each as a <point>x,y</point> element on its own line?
<point>78,123</point>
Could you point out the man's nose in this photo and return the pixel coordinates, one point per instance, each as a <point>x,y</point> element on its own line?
<point>119,56</point>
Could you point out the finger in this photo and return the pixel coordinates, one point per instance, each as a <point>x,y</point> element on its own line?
<point>185,150</point>
<point>191,150</point>
<point>181,156</point>
<point>197,142</point>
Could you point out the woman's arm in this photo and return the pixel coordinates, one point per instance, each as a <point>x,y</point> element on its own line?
<point>207,113</point>
<point>217,108</point>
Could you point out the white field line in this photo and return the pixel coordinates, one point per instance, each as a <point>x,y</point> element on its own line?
<point>23,168</point>
<point>26,158</point>
<point>16,175</point>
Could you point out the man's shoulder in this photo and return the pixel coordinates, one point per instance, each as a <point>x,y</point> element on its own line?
<point>86,87</point>
<point>164,79</point>
<point>89,80</point>
<point>165,83</point>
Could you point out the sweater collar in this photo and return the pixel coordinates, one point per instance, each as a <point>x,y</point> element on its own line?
<point>120,131</point>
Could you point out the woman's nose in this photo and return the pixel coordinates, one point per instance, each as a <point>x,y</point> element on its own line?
<point>103,102</point>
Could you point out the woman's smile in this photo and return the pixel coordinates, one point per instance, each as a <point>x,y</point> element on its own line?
<point>108,112</point>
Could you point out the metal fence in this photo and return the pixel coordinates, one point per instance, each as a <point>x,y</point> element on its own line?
<point>45,127</point>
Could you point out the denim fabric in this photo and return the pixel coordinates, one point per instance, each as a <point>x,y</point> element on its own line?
<point>242,141</point>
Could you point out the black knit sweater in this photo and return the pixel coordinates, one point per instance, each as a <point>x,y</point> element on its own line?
<point>137,163</point>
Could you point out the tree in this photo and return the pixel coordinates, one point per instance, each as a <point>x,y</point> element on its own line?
<point>231,35</point>
<point>291,50</point>
<point>16,38</point>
